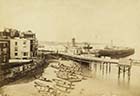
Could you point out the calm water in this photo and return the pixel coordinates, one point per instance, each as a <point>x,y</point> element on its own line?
<point>131,86</point>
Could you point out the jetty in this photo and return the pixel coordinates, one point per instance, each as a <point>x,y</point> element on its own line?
<point>124,65</point>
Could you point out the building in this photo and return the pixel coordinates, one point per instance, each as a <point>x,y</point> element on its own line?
<point>19,48</point>
<point>29,35</point>
<point>33,42</point>
<point>4,57</point>
<point>73,42</point>
<point>14,47</point>
<point>4,51</point>
<point>9,33</point>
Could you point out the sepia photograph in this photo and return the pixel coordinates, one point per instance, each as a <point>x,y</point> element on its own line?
<point>69,48</point>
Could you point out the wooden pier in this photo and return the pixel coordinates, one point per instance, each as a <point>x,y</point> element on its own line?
<point>124,70</point>
<point>84,59</point>
<point>124,65</point>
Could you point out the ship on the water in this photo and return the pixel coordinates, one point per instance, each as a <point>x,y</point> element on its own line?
<point>115,52</point>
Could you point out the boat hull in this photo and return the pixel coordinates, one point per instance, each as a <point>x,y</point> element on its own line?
<point>116,53</point>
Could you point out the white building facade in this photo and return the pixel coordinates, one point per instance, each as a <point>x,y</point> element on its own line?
<point>19,48</point>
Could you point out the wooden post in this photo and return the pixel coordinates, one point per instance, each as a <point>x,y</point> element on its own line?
<point>101,66</point>
<point>119,69</point>
<point>124,66</point>
<point>129,74</point>
<point>129,71</point>
<point>103,69</point>
<point>95,66</point>
<point>119,72</point>
<point>124,71</point>
<point>106,68</point>
<point>109,67</point>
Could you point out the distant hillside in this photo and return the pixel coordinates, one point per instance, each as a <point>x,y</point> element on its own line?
<point>65,43</point>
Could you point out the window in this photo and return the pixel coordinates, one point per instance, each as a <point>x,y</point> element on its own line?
<point>25,54</point>
<point>24,42</point>
<point>16,54</point>
<point>16,49</point>
<point>4,58</point>
<point>5,50</point>
<point>4,44</point>
<point>16,43</point>
<point>24,46</point>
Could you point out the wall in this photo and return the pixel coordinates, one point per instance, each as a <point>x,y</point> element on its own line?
<point>21,48</point>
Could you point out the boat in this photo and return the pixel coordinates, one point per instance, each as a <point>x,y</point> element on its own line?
<point>110,51</point>
<point>115,52</point>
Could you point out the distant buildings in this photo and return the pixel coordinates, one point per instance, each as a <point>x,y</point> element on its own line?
<point>74,48</point>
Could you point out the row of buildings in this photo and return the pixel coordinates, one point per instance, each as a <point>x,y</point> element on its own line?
<point>17,45</point>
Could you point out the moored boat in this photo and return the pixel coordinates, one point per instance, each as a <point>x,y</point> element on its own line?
<point>116,52</point>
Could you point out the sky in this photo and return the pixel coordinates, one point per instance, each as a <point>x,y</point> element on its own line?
<point>85,20</point>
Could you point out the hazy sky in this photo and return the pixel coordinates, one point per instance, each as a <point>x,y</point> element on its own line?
<point>60,20</point>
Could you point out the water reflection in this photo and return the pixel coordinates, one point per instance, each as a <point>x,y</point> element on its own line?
<point>111,72</point>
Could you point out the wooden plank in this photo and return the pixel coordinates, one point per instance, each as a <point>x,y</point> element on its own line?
<point>92,59</point>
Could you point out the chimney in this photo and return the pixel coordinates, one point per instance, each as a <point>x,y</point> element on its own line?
<point>73,42</point>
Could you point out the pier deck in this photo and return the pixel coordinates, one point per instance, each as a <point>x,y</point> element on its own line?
<point>86,59</point>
